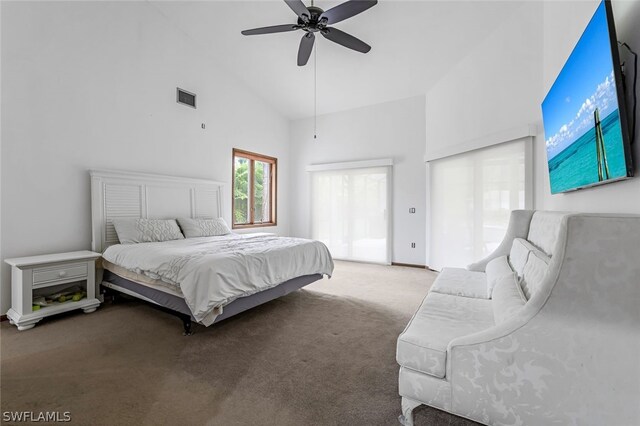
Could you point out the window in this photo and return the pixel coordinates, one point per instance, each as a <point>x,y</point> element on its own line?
<point>472,195</point>
<point>254,189</point>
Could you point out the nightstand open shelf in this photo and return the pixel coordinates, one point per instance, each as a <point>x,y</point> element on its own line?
<point>31,275</point>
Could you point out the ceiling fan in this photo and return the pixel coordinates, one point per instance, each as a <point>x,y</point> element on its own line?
<point>312,19</point>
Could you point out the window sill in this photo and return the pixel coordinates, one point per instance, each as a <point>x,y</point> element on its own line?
<point>254,225</point>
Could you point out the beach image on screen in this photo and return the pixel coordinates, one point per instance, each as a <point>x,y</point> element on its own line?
<point>581,120</point>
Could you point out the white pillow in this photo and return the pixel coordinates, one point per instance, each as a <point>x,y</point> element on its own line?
<point>131,230</point>
<point>496,269</point>
<point>535,271</point>
<point>507,298</point>
<point>519,253</point>
<point>203,227</point>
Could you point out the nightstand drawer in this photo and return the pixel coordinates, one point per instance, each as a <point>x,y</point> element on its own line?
<point>59,273</point>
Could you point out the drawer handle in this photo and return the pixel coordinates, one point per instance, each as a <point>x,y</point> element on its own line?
<point>62,274</point>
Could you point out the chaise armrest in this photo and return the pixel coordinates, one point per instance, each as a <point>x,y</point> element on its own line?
<point>518,228</point>
<point>572,347</point>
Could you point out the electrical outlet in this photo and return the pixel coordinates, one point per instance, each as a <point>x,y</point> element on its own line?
<point>413,245</point>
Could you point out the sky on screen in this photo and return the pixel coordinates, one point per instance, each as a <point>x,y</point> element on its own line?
<point>585,82</point>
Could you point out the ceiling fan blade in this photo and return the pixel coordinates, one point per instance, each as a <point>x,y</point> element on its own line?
<point>306,46</point>
<point>271,30</point>
<point>346,40</point>
<point>299,8</point>
<point>346,10</point>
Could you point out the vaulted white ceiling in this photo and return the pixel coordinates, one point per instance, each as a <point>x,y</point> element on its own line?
<point>414,43</point>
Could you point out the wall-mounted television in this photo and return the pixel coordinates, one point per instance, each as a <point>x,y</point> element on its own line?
<point>585,123</point>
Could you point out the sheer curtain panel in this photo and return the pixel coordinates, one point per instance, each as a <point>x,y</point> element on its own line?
<point>472,195</point>
<point>350,212</point>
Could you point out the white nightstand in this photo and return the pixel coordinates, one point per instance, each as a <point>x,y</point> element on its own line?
<point>38,272</point>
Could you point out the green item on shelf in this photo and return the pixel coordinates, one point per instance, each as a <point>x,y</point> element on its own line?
<point>35,308</point>
<point>76,297</point>
<point>40,301</point>
<point>65,294</point>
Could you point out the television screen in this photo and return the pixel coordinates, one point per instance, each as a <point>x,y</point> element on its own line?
<point>585,125</point>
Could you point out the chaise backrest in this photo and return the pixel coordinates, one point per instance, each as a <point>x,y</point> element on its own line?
<point>545,229</point>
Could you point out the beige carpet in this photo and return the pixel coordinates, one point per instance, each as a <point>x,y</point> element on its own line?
<point>324,355</point>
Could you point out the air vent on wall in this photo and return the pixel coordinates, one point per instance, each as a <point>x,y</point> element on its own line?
<point>186,98</point>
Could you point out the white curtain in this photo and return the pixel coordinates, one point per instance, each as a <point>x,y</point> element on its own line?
<point>350,213</point>
<point>472,195</point>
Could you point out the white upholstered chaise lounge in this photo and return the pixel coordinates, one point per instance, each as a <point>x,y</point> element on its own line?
<point>558,341</point>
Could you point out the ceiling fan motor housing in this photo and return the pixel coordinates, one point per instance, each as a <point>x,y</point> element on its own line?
<point>314,24</point>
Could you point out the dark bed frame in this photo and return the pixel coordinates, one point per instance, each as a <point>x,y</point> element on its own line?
<point>113,284</point>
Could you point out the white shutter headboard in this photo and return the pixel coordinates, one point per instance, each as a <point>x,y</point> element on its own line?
<point>116,194</point>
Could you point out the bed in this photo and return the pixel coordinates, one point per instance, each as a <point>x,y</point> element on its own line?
<point>205,279</point>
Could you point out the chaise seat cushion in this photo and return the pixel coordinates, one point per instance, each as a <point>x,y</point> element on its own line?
<point>461,282</point>
<point>422,346</point>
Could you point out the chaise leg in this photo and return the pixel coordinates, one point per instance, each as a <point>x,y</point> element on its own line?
<point>408,405</point>
<point>186,322</point>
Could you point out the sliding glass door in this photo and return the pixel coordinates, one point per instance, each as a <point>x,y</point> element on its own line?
<point>350,213</point>
<point>471,198</point>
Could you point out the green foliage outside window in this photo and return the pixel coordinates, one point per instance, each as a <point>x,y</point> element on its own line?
<point>241,191</point>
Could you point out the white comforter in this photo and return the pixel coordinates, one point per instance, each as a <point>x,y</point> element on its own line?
<point>213,271</point>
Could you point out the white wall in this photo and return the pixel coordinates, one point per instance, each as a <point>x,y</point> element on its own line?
<point>564,22</point>
<point>492,89</point>
<point>389,130</point>
<point>92,85</point>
